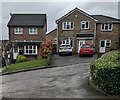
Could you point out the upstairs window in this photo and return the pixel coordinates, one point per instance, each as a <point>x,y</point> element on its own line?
<point>106,27</point>
<point>33,30</point>
<point>84,24</point>
<point>68,25</point>
<point>18,30</point>
<point>30,50</point>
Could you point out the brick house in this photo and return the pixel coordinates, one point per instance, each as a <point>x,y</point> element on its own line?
<point>53,34</point>
<point>107,33</point>
<point>26,32</point>
<point>77,28</point>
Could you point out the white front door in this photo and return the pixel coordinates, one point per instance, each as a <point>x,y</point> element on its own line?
<point>102,46</point>
<point>15,52</point>
<point>80,44</point>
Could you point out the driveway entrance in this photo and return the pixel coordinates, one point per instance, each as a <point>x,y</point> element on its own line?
<point>70,60</point>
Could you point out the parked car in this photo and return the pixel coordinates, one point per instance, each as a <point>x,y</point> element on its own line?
<point>87,49</point>
<point>65,49</point>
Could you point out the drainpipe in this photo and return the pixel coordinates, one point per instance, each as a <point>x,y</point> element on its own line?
<point>57,38</point>
<point>95,36</point>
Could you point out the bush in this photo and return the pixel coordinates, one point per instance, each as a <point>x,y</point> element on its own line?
<point>21,58</point>
<point>46,48</point>
<point>105,73</point>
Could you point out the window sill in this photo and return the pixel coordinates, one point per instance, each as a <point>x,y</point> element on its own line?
<point>18,34</point>
<point>31,54</point>
<point>67,29</point>
<point>33,34</point>
<point>85,28</point>
<point>106,30</point>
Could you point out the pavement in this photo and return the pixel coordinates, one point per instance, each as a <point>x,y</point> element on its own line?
<point>68,81</point>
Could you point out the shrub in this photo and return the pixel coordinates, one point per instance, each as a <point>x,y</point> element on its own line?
<point>105,73</point>
<point>46,48</point>
<point>21,58</point>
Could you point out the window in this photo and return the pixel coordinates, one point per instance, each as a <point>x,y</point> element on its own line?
<point>106,27</point>
<point>84,24</point>
<point>30,50</point>
<point>68,25</point>
<point>108,43</point>
<point>18,30</point>
<point>33,30</point>
<point>66,41</point>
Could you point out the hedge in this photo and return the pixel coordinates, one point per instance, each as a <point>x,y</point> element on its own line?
<point>105,72</point>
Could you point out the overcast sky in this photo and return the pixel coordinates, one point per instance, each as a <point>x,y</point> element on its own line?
<point>54,10</point>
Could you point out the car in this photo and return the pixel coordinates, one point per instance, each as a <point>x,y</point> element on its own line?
<point>65,49</point>
<point>86,49</point>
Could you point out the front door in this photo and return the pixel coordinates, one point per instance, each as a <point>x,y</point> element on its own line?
<point>80,44</point>
<point>102,46</point>
<point>15,52</point>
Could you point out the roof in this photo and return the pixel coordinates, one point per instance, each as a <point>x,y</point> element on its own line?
<point>76,9</point>
<point>52,31</point>
<point>27,20</point>
<point>103,18</point>
<point>97,18</point>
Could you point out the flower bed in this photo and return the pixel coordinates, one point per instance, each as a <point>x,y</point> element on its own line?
<point>105,72</point>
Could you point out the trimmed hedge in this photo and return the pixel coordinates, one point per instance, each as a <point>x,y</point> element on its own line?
<point>105,73</point>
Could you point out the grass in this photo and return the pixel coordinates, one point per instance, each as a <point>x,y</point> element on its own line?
<point>26,65</point>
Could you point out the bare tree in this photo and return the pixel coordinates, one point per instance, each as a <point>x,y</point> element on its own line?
<point>7,49</point>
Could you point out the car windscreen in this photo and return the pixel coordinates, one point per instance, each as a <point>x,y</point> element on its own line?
<point>86,46</point>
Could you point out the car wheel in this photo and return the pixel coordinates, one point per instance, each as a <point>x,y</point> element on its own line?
<point>80,55</point>
<point>92,55</point>
<point>71,53</point>
<point>59,54</point>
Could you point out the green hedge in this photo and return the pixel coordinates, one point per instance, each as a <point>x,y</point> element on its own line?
<point>105,73</point>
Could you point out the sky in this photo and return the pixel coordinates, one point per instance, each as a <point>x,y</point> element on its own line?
<point>54,11</point>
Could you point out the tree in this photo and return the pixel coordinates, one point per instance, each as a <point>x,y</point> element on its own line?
<point>46,48</point>
<point>7,49</point>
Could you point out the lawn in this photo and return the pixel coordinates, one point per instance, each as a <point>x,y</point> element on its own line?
<point>26,65</point>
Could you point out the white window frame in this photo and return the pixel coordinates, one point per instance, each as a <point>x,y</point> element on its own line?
<point>64,42</point>
<point>30,49</point>
<point>18,30</point>
<point>33,30</point>
<point>64,25</point>
<point>84,22</point>
<point>108,25</point>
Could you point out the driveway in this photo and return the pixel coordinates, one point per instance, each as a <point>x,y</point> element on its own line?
<point>71,60</point>
<point>60,82</point>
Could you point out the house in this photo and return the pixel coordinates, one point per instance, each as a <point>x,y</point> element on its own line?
<point>77,28</point>
<point>53,35</point>
<point>107,33</point>
<point>27,32</point>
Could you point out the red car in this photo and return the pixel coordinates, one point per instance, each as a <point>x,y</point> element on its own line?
<point>87,49</point>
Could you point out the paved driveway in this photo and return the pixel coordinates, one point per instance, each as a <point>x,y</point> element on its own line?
<point>71,60</point>
<point>59,82</point>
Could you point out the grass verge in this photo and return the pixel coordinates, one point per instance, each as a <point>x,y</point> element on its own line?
<point>26,65</point>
